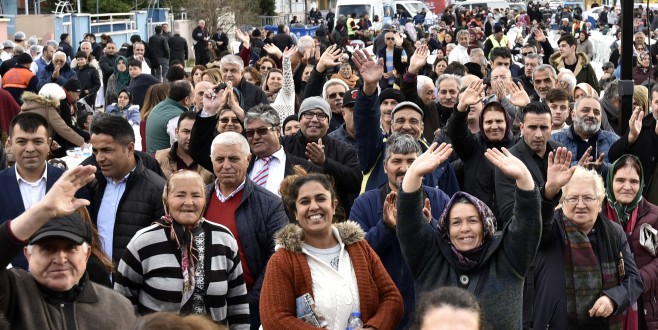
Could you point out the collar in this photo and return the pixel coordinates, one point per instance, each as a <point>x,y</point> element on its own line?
<point>225,198</point>
<point>124,180</point>
<point>44,176</point>
<point>279,154</point>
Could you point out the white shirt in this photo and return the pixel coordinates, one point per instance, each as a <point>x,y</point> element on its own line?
<point>32,192</point>
<point>459,54</point>
<point>276,173</point>
<point>172,124</point>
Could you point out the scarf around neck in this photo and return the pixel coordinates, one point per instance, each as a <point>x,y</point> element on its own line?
<point>183,236</point>
<point>588,272</point>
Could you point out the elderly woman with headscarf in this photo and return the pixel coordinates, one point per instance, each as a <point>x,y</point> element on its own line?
<point>585,45</point>
<point>183,263</point>
<point>585,276</point>
<point>584,89</point>
<point>467,251</point>
<point>643,71</point>
<point>624,205</point>
<point>118,81</point>
<point>46,103</point>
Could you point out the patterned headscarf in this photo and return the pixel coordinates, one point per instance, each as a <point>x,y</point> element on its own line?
<point>622,211</point>
<point>487,217</point>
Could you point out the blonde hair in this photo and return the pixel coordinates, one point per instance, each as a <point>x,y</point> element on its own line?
<point>583,174</point>
<point>641,97</point>
<point>183,174</point>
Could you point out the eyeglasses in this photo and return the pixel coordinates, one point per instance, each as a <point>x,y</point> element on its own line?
<point>321,115</point>
<point>585,199</point>
<point>260,131</point>
<point>264,67</point>
<point>390,39</point>
<point>335,95</point>
<point>528,53</point>
<point>226,120</point>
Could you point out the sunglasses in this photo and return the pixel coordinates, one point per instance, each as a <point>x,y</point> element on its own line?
<point>528,53</point>
<point>321,115</point>
<point>335,95</point>
<point>227,120</point>
<point>390,39</point>
<point>260,131</point>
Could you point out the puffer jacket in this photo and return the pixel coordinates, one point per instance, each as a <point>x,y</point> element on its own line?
<point>605,139</point>
<point>584,72</point>
<point>139,206</point>
<point>48,109</point>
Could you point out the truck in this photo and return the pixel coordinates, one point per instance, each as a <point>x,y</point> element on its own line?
<point>385,10</point>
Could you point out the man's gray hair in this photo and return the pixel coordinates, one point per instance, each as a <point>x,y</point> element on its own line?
<point>399,143</point>
<point>85,43</point>
<point>230,139</point>
<point>305,43</point>
<point>18,49</point>
<point>263,112</point>
<point>585,97</point>
<point>59,53</point>
<point>52,43</point>
<point>544,67</point>
<point>463,33</point>
<point>232,59</point>
<point>448,76</point>
<point>569,78</point>
<point>331,82</point>
<point>421,81</point>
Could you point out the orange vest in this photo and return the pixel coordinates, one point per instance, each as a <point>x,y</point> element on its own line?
<point>17,78</point>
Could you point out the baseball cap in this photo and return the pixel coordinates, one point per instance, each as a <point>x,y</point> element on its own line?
<point>405,105</point>
<point>70,227</point>
<point>350,97</point>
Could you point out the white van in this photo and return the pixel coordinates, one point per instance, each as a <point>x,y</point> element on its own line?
<point>360,7</point>
<point>491,4</point>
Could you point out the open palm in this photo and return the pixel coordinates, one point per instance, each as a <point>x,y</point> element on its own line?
<point>371,71</point>
<point>507,163</point>
<point>559,171</point>
<point>473,94</point>
<point>431,159</point>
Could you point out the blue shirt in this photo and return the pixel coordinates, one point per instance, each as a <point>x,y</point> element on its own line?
<point>107,212</point>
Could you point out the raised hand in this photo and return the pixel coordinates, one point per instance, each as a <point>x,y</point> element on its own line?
<point>518,95</point>
<point>241,36</point>
<point>273,50</point>
<point>539,35</point>
<point>427,210</point>
<point>391,210</point>
<point>61,197</point>
<point>588,161</point>
<point>330,58</point>
<point>418,59</point>
<point>635,125</point>
<point>371,71</point>
<point>471,95</point>
<point>499,90</point>
<point>511,166</point>
<point>429,161</point>
<point>559,171</point>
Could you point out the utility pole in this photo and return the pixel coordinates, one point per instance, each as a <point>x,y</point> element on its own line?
<point>626,84</point>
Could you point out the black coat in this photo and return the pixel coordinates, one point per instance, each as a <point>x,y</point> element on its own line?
<point>67,49</point>
<point>159,47</point>
<point>106,63</point>
<point>138,87</point>
<point>252,95</point>
<point>178,49</point>
<point>282,41</point>
<point>89,81</point>
<point>342,163</point>
<point>140,205</point>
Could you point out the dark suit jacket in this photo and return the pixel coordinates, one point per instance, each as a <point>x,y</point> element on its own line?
<point>201,138</point>
<point>12,201</point>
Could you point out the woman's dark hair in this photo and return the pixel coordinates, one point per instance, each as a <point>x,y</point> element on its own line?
<point>290,186</point>
<point>628,160</point>
<point>449,296</point>
<point>255,75</point>
<point>130,96</point>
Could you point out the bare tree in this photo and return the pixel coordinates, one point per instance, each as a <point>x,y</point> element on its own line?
<point>222,13</point>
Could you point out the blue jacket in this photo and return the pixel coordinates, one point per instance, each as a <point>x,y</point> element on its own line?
<point>46,75</point>
<point>367,211</point>
<point>258,217</point>
<point>372,144</point>
<point>12,201</point>
<point>605,139</point>
<point>131,113</point>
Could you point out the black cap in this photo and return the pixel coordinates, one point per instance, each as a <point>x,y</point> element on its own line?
<point>71,227</point>
<point>73,85</point>
<point>24,58</point>
<point>391,93</point>
<point>350,97</point>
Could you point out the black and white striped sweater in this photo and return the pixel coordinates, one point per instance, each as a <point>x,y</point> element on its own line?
<point>149,274</point>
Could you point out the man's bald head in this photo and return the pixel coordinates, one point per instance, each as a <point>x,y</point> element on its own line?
<point>200,88</point>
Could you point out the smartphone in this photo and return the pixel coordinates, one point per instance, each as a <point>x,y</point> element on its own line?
<point>219,88</point>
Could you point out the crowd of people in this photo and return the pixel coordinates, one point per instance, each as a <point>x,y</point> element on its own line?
<point>453,177</point>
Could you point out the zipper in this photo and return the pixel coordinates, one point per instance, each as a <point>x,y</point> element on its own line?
<point>61,313</point>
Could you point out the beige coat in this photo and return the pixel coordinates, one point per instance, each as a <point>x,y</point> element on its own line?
<point>48,109</point>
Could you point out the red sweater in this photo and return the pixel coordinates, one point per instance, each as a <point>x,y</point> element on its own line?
<point>224,214</point>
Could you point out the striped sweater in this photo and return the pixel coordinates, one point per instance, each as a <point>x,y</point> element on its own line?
<point>149,274</point>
